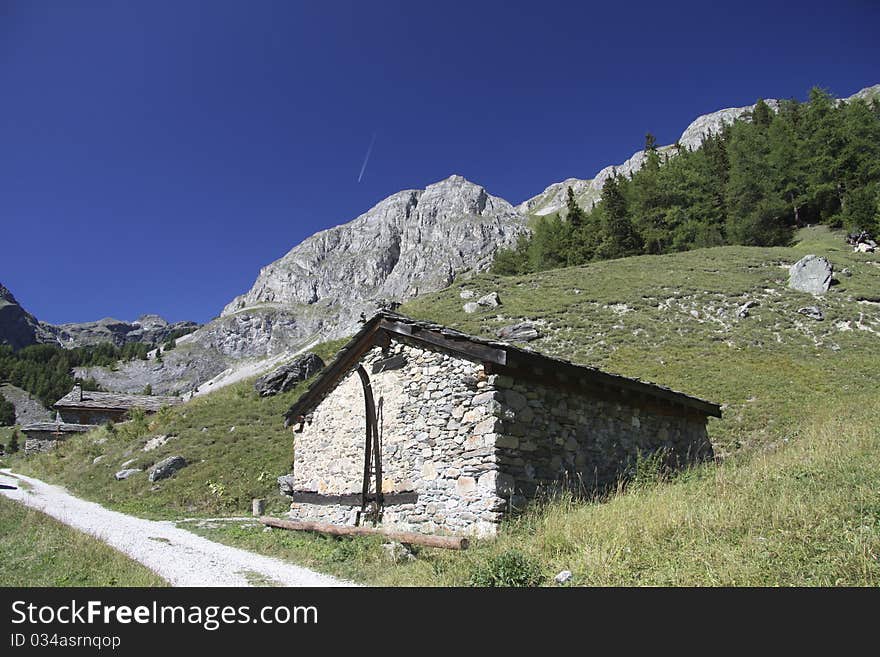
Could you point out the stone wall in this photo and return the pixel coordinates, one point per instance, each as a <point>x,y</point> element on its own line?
<point>40,441</point>
<point>553,438</point>
<point>437,420</point>
<point>91,416</point>
<point>461,447</point>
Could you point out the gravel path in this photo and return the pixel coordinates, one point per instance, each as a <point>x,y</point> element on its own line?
<point>179,556</point>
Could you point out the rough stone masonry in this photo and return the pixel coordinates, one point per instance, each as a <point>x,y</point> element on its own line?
<point>461,447</point>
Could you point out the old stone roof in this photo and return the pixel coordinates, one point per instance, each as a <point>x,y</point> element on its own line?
<point>499,357</point>
<point>114,401</point>
<point>57,427</point>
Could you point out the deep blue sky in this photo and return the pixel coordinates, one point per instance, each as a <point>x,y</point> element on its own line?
<point>154,155</point>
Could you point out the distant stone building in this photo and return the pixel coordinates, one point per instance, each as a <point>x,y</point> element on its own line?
<point>88,407</point>
<point>424,428</point>
<point>43,436</point>
<point>81,410</point>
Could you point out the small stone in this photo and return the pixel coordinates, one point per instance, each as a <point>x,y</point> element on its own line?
<point>491,300</point>
<point>489,425</point>
<point>125,474</point>
<point>471,307</point>
<point>429,471</point>
<point>813,312</point>
<point>744,309</point>
<point>98,459</point>
<point>156,441</point>
<point>484,397</point>
<point>515,400</point>
<point>563,577</point>
<point>398,552</point>
<point>465,485</point>
<point>466,294</point>
<point>522,332</point>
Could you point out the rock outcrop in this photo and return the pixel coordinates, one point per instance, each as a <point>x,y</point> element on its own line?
<point>28,409</point>
<point>18,328</point>
<point>412,242</point>
<point>288,376</point>
<point>521,332</point>
<point>150,329</point>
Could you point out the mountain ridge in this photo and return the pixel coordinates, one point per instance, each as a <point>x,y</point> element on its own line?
<point>587,191</point>
<point>19,328</point>
<point>412,242</point>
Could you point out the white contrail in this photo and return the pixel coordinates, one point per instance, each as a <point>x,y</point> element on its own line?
<point>367,157</point>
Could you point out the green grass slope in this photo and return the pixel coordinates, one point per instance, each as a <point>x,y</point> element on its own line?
<point>234,442</point>
<point>672,320</point>
<point>792,502</point>
<point>39,551</point>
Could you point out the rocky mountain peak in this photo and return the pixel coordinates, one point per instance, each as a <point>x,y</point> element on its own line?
<point>6,295</point>
<point>411,242</point>
<point>18,328</point>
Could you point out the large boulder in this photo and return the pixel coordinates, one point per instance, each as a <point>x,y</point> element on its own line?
<point>810,274</point>
<point>287,376</point>
<point>167,467</point>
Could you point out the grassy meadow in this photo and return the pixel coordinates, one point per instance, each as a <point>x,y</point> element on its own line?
<point>791,499</point>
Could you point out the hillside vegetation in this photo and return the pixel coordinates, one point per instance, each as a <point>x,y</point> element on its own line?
<point>752,183</point>
<point>792,502</point>
<point>234,441</point>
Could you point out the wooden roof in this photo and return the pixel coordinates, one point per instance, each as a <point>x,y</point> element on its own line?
<point>114,401</point>
<point>498,357</point>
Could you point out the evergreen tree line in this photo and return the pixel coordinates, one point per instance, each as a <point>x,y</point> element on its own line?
<point>46,370</point>
<point>752,183</point>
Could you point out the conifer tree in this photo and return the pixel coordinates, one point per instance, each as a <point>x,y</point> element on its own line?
<point>619,236</point>
<point>575,213</point>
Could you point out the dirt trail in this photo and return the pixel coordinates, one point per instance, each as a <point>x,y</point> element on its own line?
<point>180,557</point>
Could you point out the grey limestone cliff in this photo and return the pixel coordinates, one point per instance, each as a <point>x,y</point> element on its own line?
<point>412,242</point>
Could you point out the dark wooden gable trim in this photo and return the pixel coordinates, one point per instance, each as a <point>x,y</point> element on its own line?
<point>449,340</point>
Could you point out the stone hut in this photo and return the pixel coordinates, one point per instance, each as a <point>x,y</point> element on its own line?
<point>42,436</point>
<point>88,407</point>
<point>81,410</point>
<point>423,428</point>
